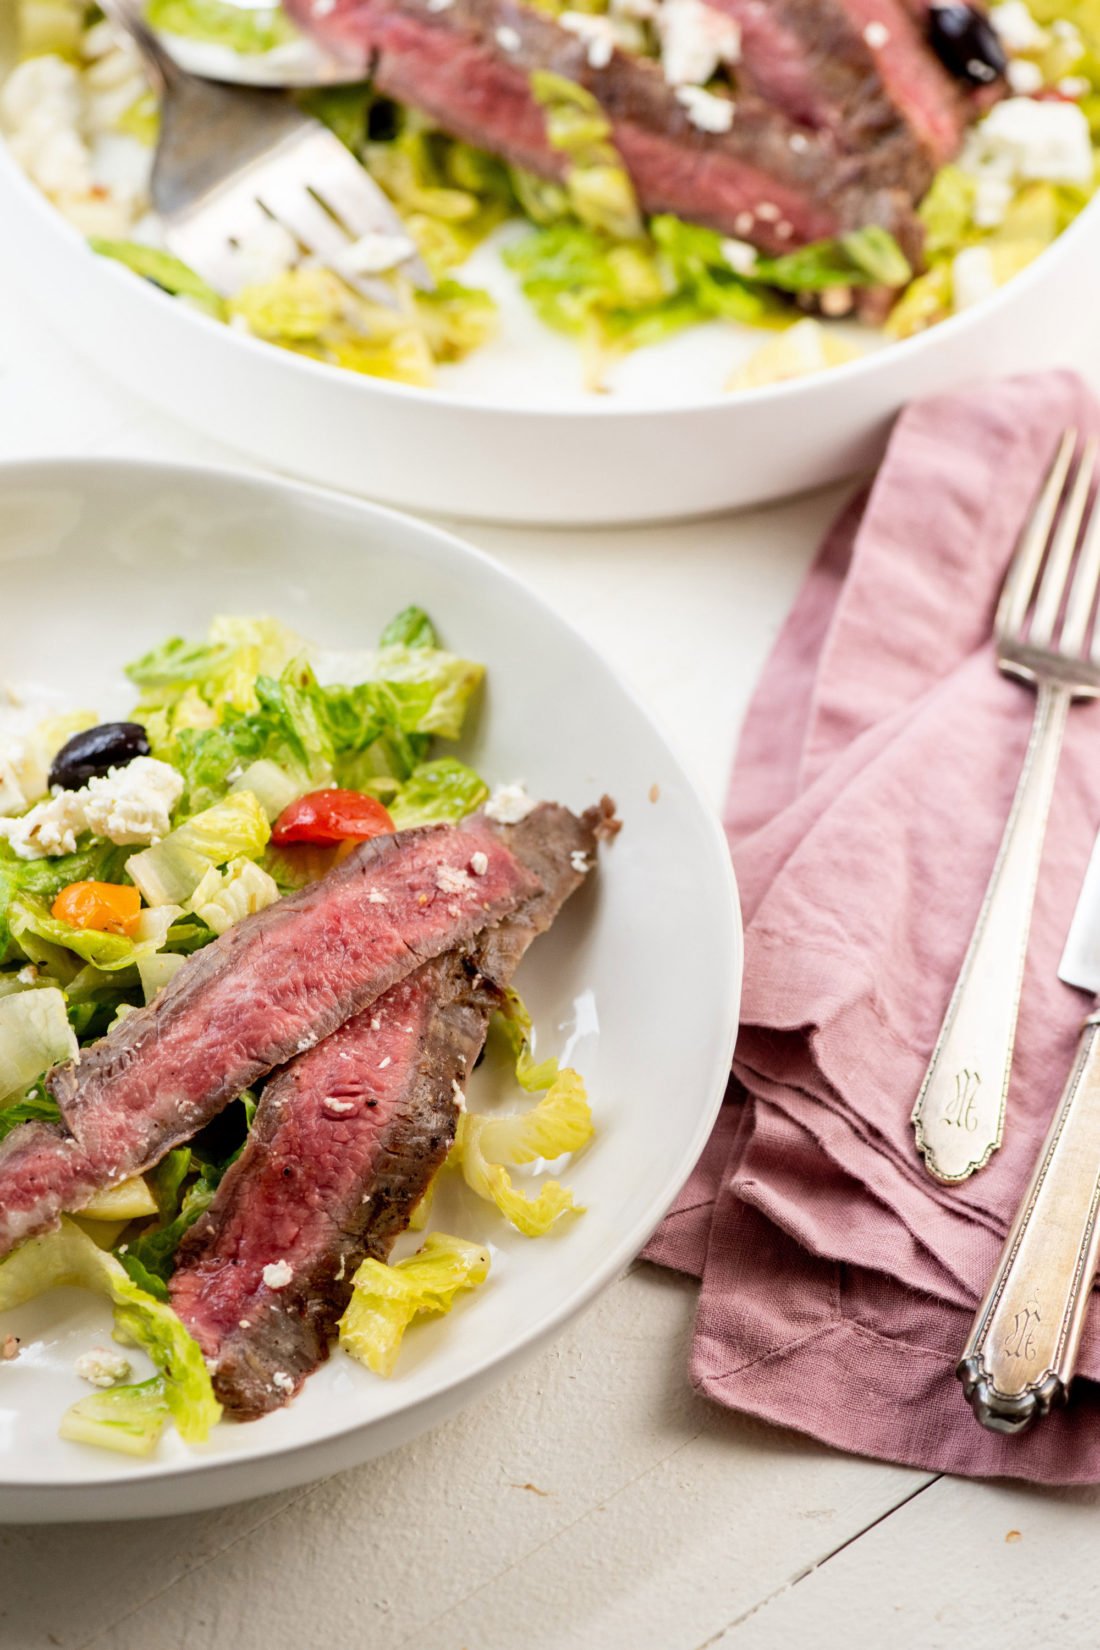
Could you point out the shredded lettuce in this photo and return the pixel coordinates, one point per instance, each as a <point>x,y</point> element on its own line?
<point>171,870</point>
<point>486,1146</point>
<point>164,270</point>
<point>597,184</point>
<point>246,29</point>
<point>385,1299</point>
<point>69,1256</point>
<point>35,1034</point>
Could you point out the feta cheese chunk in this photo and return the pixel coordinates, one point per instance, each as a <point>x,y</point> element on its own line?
<point>102,1366</point>
<point>972,276</point>
<point>1047,142</point>
<point>375,253</point>
<point>277,1274</point>
<point>706,111</point>
<point>1016,27</point>
<point>696,40</point>
<point>132,804</point>
<point>509,804</point>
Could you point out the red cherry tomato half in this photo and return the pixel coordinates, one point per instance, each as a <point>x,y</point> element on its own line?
<point>331,816</point>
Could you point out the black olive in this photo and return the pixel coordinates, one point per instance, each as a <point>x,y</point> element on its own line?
<point>966,42</point>
<point>110,745</point>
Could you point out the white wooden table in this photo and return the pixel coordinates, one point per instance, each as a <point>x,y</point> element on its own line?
<point>594,1502</point>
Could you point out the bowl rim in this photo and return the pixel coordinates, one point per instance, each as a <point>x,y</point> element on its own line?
<point>627,1244</point>
<point>870,365</point>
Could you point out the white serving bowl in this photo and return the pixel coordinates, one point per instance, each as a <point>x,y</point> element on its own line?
<point>510,435</point>
<point>638,984</point>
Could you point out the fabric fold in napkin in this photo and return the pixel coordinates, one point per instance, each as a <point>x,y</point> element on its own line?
<point>874,776</point>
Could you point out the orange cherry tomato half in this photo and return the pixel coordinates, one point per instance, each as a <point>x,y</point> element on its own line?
<point>106,906</point>
<point>332,816</point>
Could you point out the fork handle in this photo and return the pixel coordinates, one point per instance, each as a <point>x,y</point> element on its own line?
<point>959,1113</point>
<point>1022,1351</point>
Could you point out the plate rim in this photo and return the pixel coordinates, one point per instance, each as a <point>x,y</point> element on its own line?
<point>596,408</point>
<point>627,1246</point>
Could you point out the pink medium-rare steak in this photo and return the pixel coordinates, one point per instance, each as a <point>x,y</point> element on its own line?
<point>780,177</point>
<point>275,984</point>
<point>344,1145</point>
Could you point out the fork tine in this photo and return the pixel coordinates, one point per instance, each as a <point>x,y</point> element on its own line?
<point>284,195</point>
<point>1024,570</point>
<point>1052,589</point>
<point>1086,580</point>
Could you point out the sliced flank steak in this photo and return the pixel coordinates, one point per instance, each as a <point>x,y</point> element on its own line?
<point>779,177</point>
<point>345,1143</point>
<point>274,985</point>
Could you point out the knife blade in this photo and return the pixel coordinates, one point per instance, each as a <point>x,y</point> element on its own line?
<point>1080,964</point>
<point>1022,1352</point>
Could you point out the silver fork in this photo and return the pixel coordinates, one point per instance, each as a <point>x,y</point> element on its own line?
<point>230,159</point>
<point>1045,636</point>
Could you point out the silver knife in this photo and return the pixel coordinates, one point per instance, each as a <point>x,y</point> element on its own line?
<point>1022,1352</point>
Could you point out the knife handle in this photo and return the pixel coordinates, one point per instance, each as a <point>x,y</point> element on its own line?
<point>1022,1351</point>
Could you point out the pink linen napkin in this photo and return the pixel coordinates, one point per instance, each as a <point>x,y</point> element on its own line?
<point>874,776</point>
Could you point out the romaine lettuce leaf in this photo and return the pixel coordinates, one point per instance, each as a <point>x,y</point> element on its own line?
<point>385,1299</point>
<point>222,898</point>
<point>409,628</point>
<point>437,793</point>
<point>36,1107</point>
<point>69,1256</point>
<point>246,29</point>
<point>43,879</point>
<point>128,1419</point>
<point>35,1034</point>
<point>487,1145</point>
<point>106,952</point>
<point>169,872</point>
<point>597,183</point>
<point>163,270</point>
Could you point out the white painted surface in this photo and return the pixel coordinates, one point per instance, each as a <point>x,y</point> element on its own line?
<point>665,1523</point>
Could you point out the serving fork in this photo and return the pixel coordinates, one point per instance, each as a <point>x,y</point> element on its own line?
<point>1045,635</point>
<point>231,159</point>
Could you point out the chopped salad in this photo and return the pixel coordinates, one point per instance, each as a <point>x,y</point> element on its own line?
<point>250,765</point>
<point>81,121</point>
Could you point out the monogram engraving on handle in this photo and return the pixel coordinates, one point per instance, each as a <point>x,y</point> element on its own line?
<point>1020,1342</point>
<point>961,1110</point>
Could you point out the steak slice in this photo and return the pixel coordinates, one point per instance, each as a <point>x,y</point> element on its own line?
<point>345,1142</point>
<point>773,178</point>
<point>273,985</point>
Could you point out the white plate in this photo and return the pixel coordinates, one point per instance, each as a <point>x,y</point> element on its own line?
<point>509,435</point>
<point>639,981</point>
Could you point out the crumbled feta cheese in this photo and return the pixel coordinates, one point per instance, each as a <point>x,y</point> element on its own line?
<point>768,212</point>
<point>377,897</point>
<point>603,34</point>
<point>277,1274</point>
<point>244,1323</point>
<point>49,829</point>
<point>509,804</point>
<point>696,39</point>
<point>373,254</point>
<point>306,1042</point>
<point>388,1061</point>
<point>282,1380</point>
<point>876,35</point>
<point>440,5</point>
<point>740,256</point>
<point>799,142</point>
<point>451,879</point>
<point>102,1366</point>
<point>376,1024</point>
<point>459,1094</point>
<point>134,803</point>
<point>1016,27</point>
<point>508,39</point>
<point>322,8</point>
<point>1047,142</point>
<point>992,199</point>
<point>972,276</point>
<point>1074,85</point>
<point>644,11</point>
<point>578,859</point>
<point>28,974</point>
<point>1024,77</point>
<point>479,863</point>
<point>337,1107</point>
<point>9,1348</point>
<point>837,301</point>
